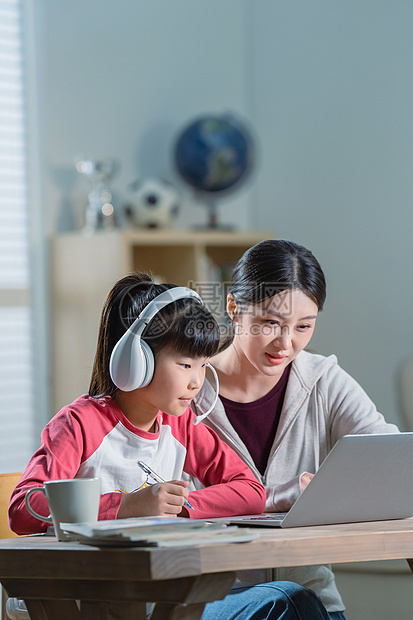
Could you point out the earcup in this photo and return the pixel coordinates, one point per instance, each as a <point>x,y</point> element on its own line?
<point>131,363</point>
<point>148,365</point>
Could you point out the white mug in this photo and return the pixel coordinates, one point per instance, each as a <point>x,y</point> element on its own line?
<point>70,501</point>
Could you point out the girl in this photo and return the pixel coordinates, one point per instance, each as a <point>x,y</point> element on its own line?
<point>150,363</point>
<point>282,408</point>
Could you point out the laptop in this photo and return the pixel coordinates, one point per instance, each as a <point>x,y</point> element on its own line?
<point>363,478</point>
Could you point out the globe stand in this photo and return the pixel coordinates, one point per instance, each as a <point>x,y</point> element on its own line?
<point>214,155</point>
<point>212,223</point>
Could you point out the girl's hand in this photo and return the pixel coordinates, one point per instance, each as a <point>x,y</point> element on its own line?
<point>305,479</point>
<point>163,498</point>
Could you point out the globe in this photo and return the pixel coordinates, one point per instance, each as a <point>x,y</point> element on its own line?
<point>214,155</point>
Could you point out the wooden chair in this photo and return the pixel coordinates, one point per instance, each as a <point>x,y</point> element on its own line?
<point>7,484</point>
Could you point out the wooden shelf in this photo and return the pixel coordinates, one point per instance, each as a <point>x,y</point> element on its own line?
<point>84,268</point>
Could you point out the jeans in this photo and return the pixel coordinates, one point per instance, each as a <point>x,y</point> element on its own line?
<point>281,599</point>
<point>270,601</point>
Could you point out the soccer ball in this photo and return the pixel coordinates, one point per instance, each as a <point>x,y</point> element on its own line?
<point>152,203</point>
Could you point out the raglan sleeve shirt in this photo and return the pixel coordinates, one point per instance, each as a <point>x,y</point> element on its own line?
<point>92,438</point>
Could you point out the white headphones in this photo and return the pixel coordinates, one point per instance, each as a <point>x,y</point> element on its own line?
<point>132,363</point>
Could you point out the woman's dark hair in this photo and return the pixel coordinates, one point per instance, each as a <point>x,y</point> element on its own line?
<point>185,326</point>
<point>276,265</point>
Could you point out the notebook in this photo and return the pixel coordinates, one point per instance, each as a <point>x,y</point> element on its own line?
<point>160,531</point>
<point>363,478</point>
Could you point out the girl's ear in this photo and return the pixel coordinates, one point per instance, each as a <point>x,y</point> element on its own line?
<point>231,307</point>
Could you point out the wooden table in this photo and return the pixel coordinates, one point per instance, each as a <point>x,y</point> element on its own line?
<point>116,582</point>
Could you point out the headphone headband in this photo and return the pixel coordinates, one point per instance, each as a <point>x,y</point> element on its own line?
<point>160,301</point>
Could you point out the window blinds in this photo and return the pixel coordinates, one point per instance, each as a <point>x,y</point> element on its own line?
<point>16,384</point>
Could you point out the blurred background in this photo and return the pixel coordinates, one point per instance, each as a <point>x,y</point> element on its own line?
<point>326,90</point>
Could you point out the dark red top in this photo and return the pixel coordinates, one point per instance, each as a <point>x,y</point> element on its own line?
<point>256,423</point>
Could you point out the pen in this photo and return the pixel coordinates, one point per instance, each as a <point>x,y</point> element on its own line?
<point>157,478</point>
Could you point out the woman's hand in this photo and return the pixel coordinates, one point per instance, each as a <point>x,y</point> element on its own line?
<point>305,479</point>
<point>163,498</point>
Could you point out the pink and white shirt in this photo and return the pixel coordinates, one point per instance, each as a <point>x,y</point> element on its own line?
<point>92,438</point>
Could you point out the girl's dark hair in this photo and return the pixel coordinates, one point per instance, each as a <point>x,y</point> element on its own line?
<point>185,326</point>
<point>276,265</point>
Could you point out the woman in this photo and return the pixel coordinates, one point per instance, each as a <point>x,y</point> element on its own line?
<point>282,408</point>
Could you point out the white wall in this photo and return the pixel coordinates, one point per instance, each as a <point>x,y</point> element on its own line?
<point>333,102</point>
<point>119,78</point>
<point>329,90</point>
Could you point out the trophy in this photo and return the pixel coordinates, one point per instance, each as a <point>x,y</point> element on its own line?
<point>100,212</point>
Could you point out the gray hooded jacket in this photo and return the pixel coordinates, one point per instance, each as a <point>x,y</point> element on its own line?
<point>322,403</point>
